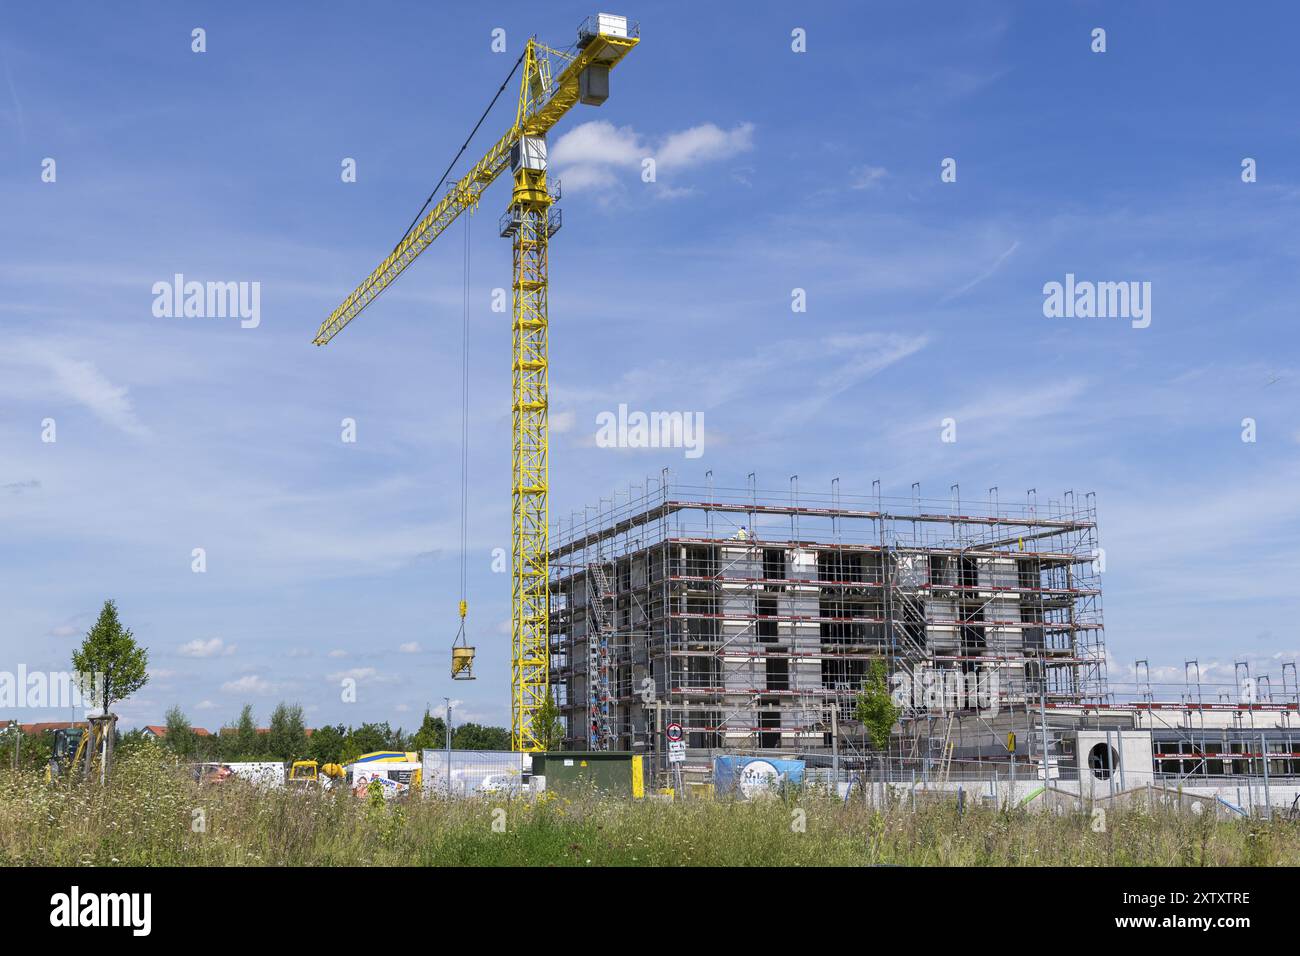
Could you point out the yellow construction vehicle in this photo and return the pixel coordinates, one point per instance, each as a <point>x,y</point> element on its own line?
<point>551,83</point>
<point>69,758</point>
<point>309,773</point>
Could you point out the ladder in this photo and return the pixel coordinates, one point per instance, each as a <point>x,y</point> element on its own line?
<point>600,734</point>
<point>945,756</point>
<point>906,615</point>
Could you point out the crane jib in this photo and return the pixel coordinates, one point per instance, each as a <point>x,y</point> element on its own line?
<point>603,51</point>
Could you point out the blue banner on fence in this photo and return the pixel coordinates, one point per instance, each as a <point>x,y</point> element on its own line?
<point>751,776</point>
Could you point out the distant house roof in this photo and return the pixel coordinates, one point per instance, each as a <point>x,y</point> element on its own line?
<point>51,725</point>
<point>153,730</point>
<point>158,730</point>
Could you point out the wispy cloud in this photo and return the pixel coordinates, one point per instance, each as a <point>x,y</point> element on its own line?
<point>962,290</point>
<point>41,370</point>
<point>866,177</point>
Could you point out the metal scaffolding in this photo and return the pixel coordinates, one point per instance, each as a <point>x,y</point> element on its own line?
<point>747,616</point>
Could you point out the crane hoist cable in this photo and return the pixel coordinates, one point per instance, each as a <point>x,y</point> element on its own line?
<point>452,165</point>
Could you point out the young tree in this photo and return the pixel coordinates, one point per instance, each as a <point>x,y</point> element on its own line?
<point>326,744</point>
<point>432,734</point>
<point>287,739</point>
<point>399,740</point>
<point>876,709</point>
<point>548,725</point>
<point>109,660</point>
<point>180,738</point>
<point>247,742</point>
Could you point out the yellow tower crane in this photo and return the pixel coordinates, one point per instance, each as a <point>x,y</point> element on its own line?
<point>552,82</point>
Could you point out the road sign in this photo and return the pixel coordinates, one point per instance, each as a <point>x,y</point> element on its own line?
<point>676,751</point>
<point>673,732</point>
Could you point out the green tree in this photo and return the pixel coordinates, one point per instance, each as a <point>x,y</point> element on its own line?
<point>181,739</point>
<point>548,725</point>
<point>368,738</point>
<point>432,734</point>
<point>477,737</point>
<point>326,743</point>
<point>110,663</point>
<point>247,743</point>
<point>287,738</point>
<point>875,705</point>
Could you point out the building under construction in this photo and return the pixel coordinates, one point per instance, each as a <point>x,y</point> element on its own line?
<point>751,618</point>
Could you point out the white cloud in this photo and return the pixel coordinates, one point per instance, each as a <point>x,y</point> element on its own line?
<point>704,144</point>
<point>410,647</point>
<point>599,143</point>
<point>587,178</point>
<point>337,653</point>
<point>561,422</point>
<point>212,648</point>
<point>589,157</point>
<point>248,684</point>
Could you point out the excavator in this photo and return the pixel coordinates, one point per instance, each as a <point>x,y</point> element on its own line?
<point>69,757</point>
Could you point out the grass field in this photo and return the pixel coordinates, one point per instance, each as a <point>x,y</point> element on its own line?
<point>155,816</point>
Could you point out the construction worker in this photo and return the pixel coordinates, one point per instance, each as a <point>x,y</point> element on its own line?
<point>742,534</point>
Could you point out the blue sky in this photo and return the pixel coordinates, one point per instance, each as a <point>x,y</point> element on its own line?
<point>776,170</point>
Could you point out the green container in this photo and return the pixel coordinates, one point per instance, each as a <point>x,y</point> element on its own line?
<point>574,773</point>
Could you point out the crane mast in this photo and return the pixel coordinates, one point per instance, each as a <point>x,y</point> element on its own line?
<point>529,222</point>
